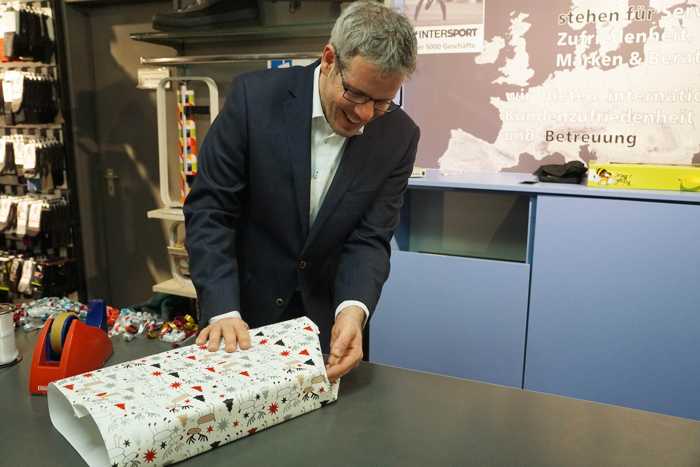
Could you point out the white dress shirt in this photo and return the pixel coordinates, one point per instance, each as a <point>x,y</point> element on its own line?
<point>326,152</point>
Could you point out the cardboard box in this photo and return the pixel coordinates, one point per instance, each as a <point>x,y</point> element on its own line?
<point>644,176</point>
<point>167,407</point>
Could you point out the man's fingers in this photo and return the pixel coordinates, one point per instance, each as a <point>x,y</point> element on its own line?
<point>345,364</point>
<point>229,338</point>
<point>214,338</point>
<point>333,373</point>
<point>339,347</point>
<point>346,353</point>
<point>336,371</point>
<point>233,330</point>
<point>203,336</point>
<point>243,335</point>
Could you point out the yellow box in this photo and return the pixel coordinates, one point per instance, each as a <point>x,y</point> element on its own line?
<point>644,176</point>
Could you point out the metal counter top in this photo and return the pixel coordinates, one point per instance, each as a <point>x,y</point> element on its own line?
<point>392,417</point>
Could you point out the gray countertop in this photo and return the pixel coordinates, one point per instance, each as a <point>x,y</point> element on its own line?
<point>392,417</point>
<point>513,182</point>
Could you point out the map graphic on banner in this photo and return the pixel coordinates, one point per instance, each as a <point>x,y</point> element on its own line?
<point>611,80</point>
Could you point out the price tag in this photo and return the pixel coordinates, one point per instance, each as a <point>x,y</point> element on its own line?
<point>29,162</point>
<point>19,153</point>
<point>22,217</point>
<point>13,85</point>
<point>148,78</point>
<point>5,205</point>
<point>9,21</point>
<point>34,223</point>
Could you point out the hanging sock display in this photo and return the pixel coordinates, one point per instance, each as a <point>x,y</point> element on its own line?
<point>40,161</point>
<point>36,277</point>
<point>28,98</point>
<point>35,229</point>
<point>28,32</point>
<point>36,223</point>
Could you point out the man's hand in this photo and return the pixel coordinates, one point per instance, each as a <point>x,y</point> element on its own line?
<point>346,342</point>
<point>233,330</point>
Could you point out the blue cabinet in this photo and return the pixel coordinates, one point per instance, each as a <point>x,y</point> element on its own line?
<point>614,311</point>
<point>456,300</point>
<point>456,316</point>
<point>587,293</point>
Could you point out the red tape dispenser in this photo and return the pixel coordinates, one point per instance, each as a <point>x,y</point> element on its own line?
<point>67,347</point>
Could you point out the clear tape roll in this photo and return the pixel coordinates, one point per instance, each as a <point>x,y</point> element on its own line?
<point>8,347</point>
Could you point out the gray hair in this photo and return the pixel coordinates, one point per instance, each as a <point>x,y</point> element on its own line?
<point>378,34</point>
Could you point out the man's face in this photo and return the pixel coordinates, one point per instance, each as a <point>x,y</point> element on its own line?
<point>362,79</point>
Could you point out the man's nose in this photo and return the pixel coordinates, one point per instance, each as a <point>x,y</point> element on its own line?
<point>365,111</point>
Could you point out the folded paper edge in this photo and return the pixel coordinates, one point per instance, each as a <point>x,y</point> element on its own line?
<point>73,421</point>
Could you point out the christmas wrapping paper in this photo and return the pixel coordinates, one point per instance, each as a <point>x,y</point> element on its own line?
<point>174,405</point>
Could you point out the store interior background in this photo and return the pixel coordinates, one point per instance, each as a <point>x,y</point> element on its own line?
<point>115,129</point>
<point>115,132</point>
<point>520,290</point>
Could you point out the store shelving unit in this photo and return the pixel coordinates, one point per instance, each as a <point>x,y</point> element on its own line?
<point>167,214</point>
<point>175,287</point>
<point>179,40</point>
<point>58,130</point>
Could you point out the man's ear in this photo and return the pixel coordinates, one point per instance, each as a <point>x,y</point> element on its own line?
<point>327,59</point>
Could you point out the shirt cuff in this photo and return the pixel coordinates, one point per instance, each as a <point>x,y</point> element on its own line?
<point>348,303</point>
<point>230,314</point>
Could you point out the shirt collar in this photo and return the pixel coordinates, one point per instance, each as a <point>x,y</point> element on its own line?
<point>318,108</point>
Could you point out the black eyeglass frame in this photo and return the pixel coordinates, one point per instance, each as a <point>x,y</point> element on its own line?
<point>363,99</point>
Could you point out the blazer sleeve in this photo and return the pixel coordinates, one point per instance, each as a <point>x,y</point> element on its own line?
<point>364,262</point>
<point>214,206</point>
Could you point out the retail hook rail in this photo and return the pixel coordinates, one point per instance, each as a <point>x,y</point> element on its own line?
<point>226,58</point>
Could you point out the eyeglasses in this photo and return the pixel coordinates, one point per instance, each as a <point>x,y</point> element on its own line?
<point>380,106</point>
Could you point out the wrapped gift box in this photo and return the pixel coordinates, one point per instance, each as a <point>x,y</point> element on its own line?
<point>644,176</point>
<point>173,405</point>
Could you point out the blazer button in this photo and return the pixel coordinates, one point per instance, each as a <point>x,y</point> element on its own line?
<point>301,265</point>
<point>279,301</point>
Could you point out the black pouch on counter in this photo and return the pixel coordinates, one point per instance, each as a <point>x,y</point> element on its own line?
<point>571,172</point>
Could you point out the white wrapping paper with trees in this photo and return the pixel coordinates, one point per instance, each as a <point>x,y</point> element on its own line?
<point>174,405</point>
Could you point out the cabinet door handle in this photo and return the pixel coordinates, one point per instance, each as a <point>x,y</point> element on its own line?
<point>111,177</point>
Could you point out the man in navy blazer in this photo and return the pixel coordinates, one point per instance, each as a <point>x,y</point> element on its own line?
<point>300,182</point>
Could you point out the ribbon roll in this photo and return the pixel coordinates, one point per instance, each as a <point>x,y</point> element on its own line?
<point>8,348</point>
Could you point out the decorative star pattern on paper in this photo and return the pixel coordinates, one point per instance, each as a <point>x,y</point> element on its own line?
<point>173,405</point>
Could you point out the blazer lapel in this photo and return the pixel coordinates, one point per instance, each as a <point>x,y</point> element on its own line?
<point>297,126</point>
<point>353,160</point>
